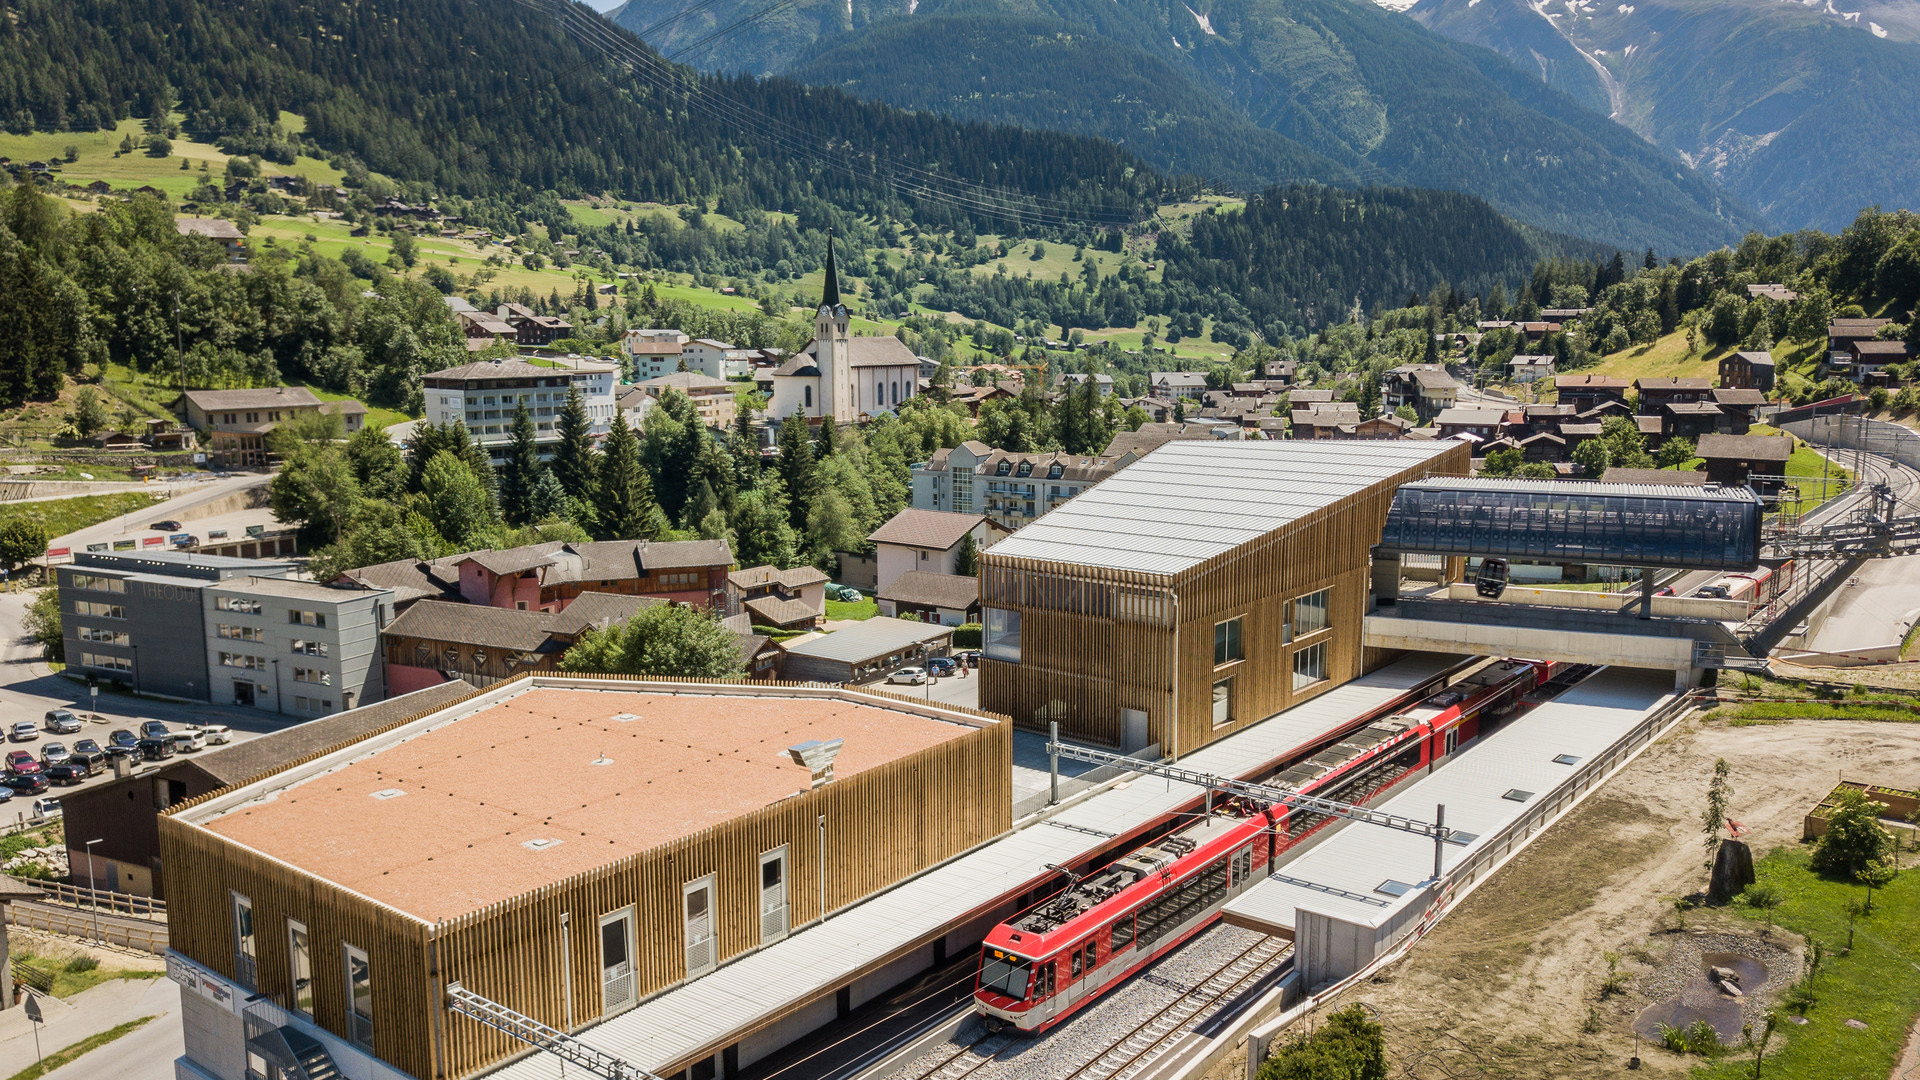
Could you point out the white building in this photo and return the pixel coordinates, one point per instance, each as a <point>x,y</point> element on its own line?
<point>838,375</point>
<point>652,353</point>
<point>705,356</point>
<point>486,394</point>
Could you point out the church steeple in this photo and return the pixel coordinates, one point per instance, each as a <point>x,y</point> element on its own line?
<point>830,294</point>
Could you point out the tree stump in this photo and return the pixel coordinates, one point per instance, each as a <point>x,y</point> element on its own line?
<point>1732,871</point>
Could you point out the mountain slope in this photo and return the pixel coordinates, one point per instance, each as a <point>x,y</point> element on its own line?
<point>1806,113</point>
<point>1380,98</point>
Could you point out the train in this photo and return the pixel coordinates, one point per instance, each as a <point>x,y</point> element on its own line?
<point>1756,589</point>
<point>1054,958</point>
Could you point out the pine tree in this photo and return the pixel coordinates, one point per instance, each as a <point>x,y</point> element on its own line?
<point>626,492</point>
<point>573,460</point>
<point>796,467</point>
<point>828,436</point>
<point>522,473</point>
<point>547,500</point>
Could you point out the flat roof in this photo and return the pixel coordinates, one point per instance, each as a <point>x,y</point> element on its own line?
<point>296,588</point>
<point>680,758</point>
<point>744,995</point>
<point>1342,874</point>
<point>1190,501</point>
<point>869,638</point>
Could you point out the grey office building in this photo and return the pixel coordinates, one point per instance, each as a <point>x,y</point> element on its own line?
<point>294,647</point>
<point>137,619</point>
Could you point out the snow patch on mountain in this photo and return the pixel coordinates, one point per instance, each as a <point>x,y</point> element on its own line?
<point>1205,23</point>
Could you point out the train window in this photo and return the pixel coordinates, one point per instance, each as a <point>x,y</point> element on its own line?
<point>1453,740</point>
<point>1043,986</point>
<point>1122,934</point>
<point>1005,973</point>
<point>1092,952</point>
<point>1076,964</point>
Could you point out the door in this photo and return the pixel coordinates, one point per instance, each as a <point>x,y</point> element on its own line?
<point>701,948</point>
<point>242,693</point>
<point>616,961</point>
<point>774,919</point>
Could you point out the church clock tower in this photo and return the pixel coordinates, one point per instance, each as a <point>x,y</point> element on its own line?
<point>838,395</point>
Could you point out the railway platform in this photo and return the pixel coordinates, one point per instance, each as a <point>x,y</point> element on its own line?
<point>724,1022</point>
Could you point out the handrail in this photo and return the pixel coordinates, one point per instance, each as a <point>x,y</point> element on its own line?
<point>119,902</point>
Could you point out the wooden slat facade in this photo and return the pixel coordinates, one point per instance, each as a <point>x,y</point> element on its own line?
<point>883,824</point>
<point>1082,670</point>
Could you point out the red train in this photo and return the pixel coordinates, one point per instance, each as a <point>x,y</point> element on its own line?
<point>1040,967</point>
<point>1757,589</point>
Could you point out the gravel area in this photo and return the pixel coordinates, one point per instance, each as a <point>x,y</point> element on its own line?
<point>1680,977</point>
<point>1095,1028</point>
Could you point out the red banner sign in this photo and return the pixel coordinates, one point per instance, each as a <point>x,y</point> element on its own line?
<point>59,553</point>
<point>153,541</point>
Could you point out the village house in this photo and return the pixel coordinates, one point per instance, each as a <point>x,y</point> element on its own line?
<point>234,424</point>
<point>220,230</point>
<point>793,599</point>
<point>929,541</point>
<point>1657,393</point>
<point>1586,392</point>
<point>1176,384</point>
<point>713,398</point>
<point>1748,371</point>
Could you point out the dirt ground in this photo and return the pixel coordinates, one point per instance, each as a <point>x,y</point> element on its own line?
<point>1509,984</point>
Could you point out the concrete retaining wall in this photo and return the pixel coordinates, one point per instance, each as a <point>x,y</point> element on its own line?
<point>1684,607</point>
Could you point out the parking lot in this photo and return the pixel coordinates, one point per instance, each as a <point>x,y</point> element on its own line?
<point>946,690</point>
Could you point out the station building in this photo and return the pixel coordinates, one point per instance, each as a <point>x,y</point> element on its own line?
<point>564,847</point>
<point>1202,589</point>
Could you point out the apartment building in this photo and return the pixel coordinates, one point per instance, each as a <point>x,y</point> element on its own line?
<point>234,424</point>
<point>294,647</point>
<point>1012,489</point>
<point>486,394</point>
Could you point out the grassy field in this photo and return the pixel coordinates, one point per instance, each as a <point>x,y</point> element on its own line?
<point>62,516</point>
<point>1876,983</point>
<point>1668,357</point>
<point>867,608</point>
<point>1811,474</point>
<point>99,159</point>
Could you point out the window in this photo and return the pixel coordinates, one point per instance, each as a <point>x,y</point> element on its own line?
<point>701,949</point>
<point>1309,665</point>
<point>303,647</point>
<point>240,633</point>
<point>1122,934</point>
<point>300,968</point>
<point>307,618</point>
<point>1004,973</point>
<point>99,611</point>
<point>242,660</point>
<point>1226,642</point>
<point>1310,612</point>
<point>879,396</point>
<point>807,393</point>
<point>359,996</point>
<point>1223,702</point>
<point>313,675</point>
<point>106,663</point>
<point>1002,635</point>
<point>238,604</point>
<point>102,636</point>
<point>97,583</point>
<point>244,966</point>
<point>773,896</point>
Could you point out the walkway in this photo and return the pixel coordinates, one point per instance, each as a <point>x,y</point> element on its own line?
<point>146,1054</point>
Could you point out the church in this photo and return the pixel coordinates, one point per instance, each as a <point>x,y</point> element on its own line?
<point>838,375</point>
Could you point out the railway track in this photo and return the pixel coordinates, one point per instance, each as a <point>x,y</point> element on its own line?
<point>1140,1047</point>
<point>969,1059</point>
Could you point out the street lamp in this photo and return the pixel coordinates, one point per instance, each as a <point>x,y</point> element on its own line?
<point>93,891</point>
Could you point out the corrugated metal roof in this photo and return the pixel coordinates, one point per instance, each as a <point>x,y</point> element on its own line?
<point>1585,487</point>
<point>729,1003</point>
<point>1188,502</point>
<point>873,637</point>
<point>1340,875</point>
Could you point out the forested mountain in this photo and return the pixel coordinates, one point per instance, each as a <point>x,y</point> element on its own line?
<point>1805,112</point>
<point>494,97</point>
<point>1379,97</point>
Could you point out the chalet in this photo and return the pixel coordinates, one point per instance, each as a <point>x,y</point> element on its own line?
<point>1176,384</point>
<point>1544,446</point>
<point>1738,407</point>
<point>712,398</point>
<point>1841,334</point>
<point>1302,398</point>
<point>1755,461</point>
<point>549,576</point>
<point>222,232</point>
<point>99,187</point>
<point>1657,393</point>
<point>1282,370</point>
<point>437,641</point>
<point>1426,387</point>
<point>1748,371</point>
<point>541,330</point>
<point>1779,294</point>
<point>1535,331</point>
<point>1102,384</point>
<point>482,329</point>
<point>1326,420</point>
<point>1388,426</point>
<point>940,599</point>
<point>793,599</point>
<point>1869,356</point>
<point>1530,368</point>
<point>1561,315</point>
<point>1690,419</point>
<point>1585,392</point>
<point>1481,424</point>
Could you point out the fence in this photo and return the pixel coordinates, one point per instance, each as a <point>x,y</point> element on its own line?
<point>88,926</point>
<point>139,907</point>
<point>1859,433</point>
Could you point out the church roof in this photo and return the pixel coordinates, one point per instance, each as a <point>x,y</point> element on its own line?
<point>862,352</point>
<point>830,292</point>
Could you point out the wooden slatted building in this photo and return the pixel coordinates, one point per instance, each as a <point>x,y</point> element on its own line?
<point>566,847</point>
<point>1205,588</point>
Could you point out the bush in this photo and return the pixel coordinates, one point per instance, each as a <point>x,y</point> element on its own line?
<point>1762,896</point>
<point>1349,1047</point>
<point>1854,837</point>
<point>81,963</point>
<point>966,636</point>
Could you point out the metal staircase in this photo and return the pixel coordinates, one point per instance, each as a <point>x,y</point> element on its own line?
<point>534,1033</point>
<point>298,1055</point>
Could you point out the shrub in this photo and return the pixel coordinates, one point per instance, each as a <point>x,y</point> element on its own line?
<point>1349,1047</point>
<point>1703,1040</point>
<point>966,636</point>
<point>1673,1038</point>
<point>1760,895</point>
<point>81,964</point>
<point>1854,837</point>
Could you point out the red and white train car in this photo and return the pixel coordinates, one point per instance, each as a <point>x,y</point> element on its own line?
<point>1042,966</point>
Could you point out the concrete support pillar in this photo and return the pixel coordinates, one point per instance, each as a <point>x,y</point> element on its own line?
<point>1646,593</point>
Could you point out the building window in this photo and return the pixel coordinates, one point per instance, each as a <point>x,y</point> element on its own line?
<point>97,583</point>
<point>773,896</point>
<point>1223,702</point>
<point>106,663</point>
<point>807,391</point>
<point>1226,642</point>
<point>1002,635</point>
<point>1309,666</point>
<point>307,618</point>
<point>102,636</point>
<point>300,968</point>
<point>303,647</point>
<point>240,633</point>
<point>879,395</point>
<point>236,604</point>
<point>314,675</point>
<point>99,611</point>
<point>359,996</point>
<point>242,660</point>
<point>1310,612</point>
<point>244,966</point>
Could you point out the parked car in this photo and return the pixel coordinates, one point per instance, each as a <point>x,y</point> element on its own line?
<point>54,753</point>
<point>941,667</point>
<point>912,676</point>
<point>22,762</point>
<point>25,783</point>
<point>165,525</point>
<point>24,731</point>
<point>70,772</point>
<point>188,738</point>
<point>121,742</point>
<point>48,807</point>
<point>154,729</point>
<point>217,734</point>
<point>6,794</point>
<point>63,722</point>
<point>88,752</point>
<point>157,749</point>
